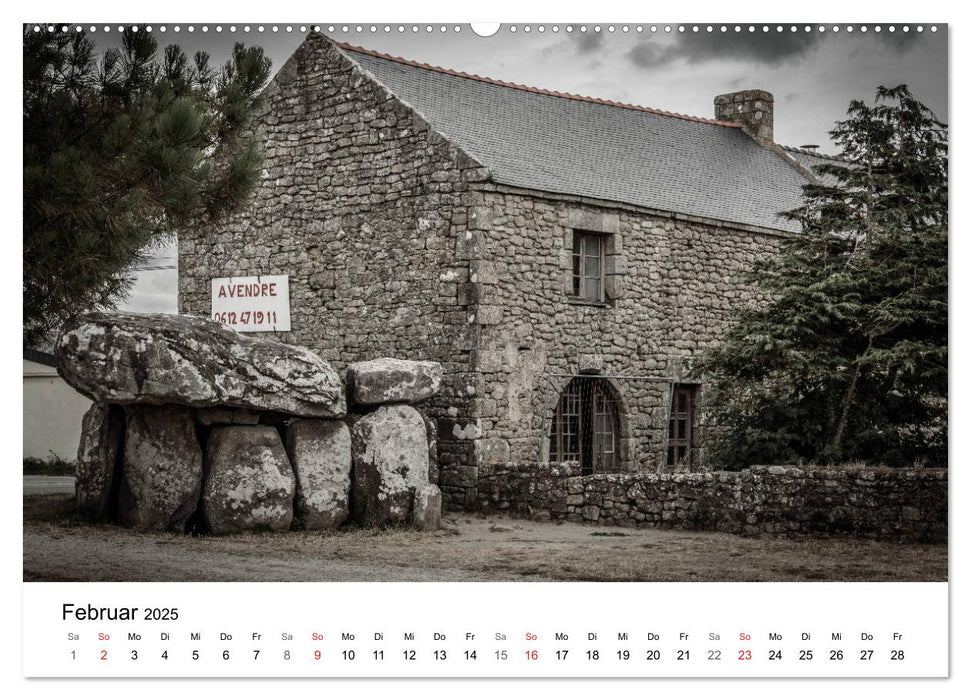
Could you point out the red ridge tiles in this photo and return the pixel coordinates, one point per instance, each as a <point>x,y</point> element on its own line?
<point>528,88</point>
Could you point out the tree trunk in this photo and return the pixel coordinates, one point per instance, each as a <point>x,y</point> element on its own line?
<point>836,446</point>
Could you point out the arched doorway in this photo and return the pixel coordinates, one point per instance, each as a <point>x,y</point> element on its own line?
<point>586,426</point>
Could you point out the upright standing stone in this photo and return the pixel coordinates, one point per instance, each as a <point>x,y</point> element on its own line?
<point>388,380</point>
<point>428,508</point>
<point>249,482</point>
<point>431,434</point>
<point>390,452</point>
<point>162,469</point>
<point>320,455</point>
<point>101,431</point>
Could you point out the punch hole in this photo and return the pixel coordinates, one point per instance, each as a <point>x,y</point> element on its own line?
<point>484,29</point>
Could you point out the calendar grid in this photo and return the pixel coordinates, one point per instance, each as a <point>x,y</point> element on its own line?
<point>512,630</point>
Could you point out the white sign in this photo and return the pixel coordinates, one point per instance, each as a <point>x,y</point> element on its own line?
<point>252,304</point>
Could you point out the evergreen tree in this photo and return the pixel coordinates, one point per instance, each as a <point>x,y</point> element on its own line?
<point>121,150</point>
<point>845,359</point>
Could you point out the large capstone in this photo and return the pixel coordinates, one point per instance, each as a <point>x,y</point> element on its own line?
<point>390,453</point>
<point>249,483</point>
<point>387,380</point>
<point>131,358</point>
<point>320,455</point>
<point>102,428</point>
<point>162,469</point>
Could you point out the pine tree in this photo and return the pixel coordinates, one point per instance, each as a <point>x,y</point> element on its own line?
<point>846,358</point>
<point>120,151</point>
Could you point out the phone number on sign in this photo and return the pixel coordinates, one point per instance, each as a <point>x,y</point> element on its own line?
<point>245,318</point>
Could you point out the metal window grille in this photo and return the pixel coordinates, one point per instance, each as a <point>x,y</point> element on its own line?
<point>585,427</point>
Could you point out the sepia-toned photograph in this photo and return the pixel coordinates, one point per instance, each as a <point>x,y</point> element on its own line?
<point>408,303</point>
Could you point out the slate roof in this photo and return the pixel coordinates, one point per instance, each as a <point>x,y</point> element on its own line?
<point>810,159</point>
<point>582,146</point>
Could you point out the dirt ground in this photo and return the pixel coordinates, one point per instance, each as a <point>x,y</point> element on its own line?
<point>470,547</point>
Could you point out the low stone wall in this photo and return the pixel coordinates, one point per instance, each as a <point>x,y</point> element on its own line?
<point>878,503</point>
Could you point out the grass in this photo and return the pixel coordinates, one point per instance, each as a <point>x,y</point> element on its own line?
<point>486,548</point>
<point>52,466</point>
<point>57,510</point>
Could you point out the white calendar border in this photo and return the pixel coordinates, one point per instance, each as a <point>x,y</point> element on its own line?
<point>570,10</point>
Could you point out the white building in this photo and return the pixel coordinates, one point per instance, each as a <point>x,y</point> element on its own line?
<point>52,410</point>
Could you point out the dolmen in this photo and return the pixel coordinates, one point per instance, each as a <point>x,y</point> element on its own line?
<point>195,427</point>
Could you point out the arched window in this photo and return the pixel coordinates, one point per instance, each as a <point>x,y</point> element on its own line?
<point>585,426</point>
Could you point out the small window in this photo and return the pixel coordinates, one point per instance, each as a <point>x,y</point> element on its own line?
<point>588,267</point>
<point>681,426</point>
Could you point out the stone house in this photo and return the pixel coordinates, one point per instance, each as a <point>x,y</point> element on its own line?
<point>563,257</point>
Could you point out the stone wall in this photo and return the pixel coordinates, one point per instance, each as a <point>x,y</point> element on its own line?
<point>365,207</point>
<point>673,287</point>
<point>879,503</point>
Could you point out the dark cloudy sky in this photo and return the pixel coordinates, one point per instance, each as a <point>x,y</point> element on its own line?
<point>813,75</point>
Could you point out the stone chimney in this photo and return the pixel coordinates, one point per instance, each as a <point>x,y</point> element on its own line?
<point>750,108</point>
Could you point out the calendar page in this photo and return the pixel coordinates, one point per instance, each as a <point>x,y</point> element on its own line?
<point>546,350</point>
